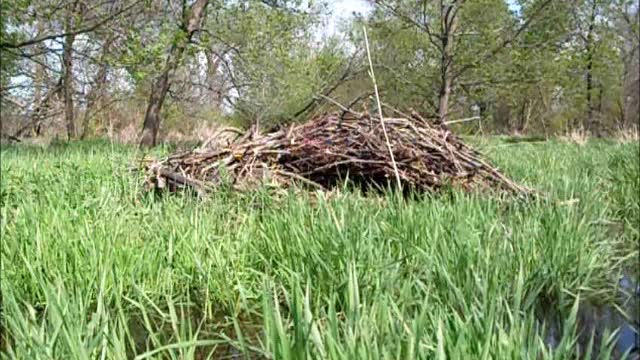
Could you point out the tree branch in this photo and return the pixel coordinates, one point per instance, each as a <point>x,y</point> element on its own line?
<point>87,29</point>
<point>422,26</point>
<point>504,44</point>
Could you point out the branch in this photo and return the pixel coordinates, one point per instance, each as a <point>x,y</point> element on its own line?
<point>504,44</point>
<point>91,28</point>
<point>422,26</point>
<point>29,57</point>
<point>355,101</point>
<point>345,76</point>
<point>342,107</point>
<point>462,120</point>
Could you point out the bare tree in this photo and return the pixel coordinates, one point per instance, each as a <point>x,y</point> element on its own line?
<point>191,21</point>
<point>50,50</point>
<point>213,78</point>
<point>94,25</point>
<point>627,18</point>
<point>96,93</point>
<point>448,25</point>
<point>443,41</point>
<point>590,49</point>
<point>67,65</point>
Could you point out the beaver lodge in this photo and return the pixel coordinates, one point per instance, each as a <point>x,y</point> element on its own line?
<point>330,148</point>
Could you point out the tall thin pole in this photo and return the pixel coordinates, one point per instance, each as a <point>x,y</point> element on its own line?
<point>384,129</point>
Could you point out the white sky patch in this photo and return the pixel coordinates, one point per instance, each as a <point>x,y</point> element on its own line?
<point>342,11</point>
<point>514,6</point>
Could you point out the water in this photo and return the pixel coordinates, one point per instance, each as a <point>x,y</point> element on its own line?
<point>597,320</point>
<point>629,339</point>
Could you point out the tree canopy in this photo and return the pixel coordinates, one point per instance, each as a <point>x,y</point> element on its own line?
<point>97,68</point>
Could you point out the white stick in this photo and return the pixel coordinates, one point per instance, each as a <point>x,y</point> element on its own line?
<point>462,120</point>
<point>384,129</point>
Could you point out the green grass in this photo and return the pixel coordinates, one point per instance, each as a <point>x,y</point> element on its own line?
<point>92,268</point>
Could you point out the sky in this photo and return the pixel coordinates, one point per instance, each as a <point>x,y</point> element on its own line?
<point>347,7</point>
<point>344,9</point>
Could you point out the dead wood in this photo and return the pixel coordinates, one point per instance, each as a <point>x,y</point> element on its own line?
<point>330,148</point>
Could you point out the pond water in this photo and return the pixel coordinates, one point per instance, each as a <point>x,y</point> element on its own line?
<point>598,320</point>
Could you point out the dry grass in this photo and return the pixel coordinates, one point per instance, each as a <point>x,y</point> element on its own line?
<point>577,136</point>
<point>126,135</point>
<point>628,135</point>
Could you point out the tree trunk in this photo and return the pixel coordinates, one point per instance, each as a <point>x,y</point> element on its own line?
<point>443,101</point>
<point>630,97</point>
<point>151,123</point>
<point>213,79</point>
<point>39,79</point>
<point>525,116</point>
<point>96,93</point>
<point>39,111</point>
<point>37,94</point>
<point>67,88</point>
<point>589,67</point>
<point>600,97</point>
<point>39,69</point>
<point>67,74</point>
<point>160,85</point>
<point>449,19</point>
<point>93,99</point>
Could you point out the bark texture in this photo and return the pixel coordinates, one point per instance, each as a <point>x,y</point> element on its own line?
<point>160,86</point>
<point>449,20</point>
<point>67,75</point>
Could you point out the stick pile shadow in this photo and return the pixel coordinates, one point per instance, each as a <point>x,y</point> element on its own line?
<point>329,149</point>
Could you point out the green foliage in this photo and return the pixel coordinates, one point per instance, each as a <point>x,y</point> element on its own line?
<point>624,173</point>
<point>91,267</point>
<point>10,33</point>
<point>145,51</point>
<point>526,70</point>
<point>277,65</point>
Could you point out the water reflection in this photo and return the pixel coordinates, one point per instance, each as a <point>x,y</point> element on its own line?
<point>602,320</point>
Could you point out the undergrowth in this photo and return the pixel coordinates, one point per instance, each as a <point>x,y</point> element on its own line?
<point>94,268</point>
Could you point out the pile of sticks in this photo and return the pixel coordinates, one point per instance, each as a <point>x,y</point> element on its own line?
<point>332,148</point>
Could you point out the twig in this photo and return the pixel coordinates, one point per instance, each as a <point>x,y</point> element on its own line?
<point>325,150</point>
<point>384,129</point>
<point>218,133</point>
<point>298,177</point>
<point>462,120</point>
<point>342,107</point>
<point>396,110</point>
